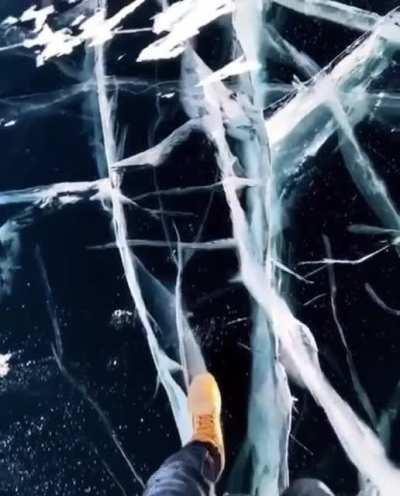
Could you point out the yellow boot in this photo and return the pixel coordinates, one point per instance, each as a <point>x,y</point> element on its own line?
<point>204,401</point>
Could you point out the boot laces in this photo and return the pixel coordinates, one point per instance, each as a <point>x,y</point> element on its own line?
<point>205,424</point>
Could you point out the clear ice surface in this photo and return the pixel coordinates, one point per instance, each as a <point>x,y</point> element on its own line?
<point>265,138</point>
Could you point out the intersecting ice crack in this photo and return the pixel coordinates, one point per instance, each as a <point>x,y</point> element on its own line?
<point>270,153</point>
<point>165,366</point>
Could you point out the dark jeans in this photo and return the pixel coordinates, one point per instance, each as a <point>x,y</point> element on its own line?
<point>194,469</point>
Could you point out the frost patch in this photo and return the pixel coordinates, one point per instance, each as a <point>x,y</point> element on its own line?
<point>122,318</point>
<point>4,364</point>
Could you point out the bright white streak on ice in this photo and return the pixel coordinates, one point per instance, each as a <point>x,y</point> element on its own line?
<point>238,66</point>
<point>94,30</point>
<point>344,261</point>
<point>52,197</point>
<point>183,21</point>
<point>4,364</point>
<point>9,21</point>
<point>67,193</point>
<point>38,16</point>
<point>221,244</point>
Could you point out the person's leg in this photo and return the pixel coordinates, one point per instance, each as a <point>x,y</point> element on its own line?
<point>192,471</point>
<point>308,487</point>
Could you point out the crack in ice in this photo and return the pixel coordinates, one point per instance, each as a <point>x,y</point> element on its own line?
<point>183,20</point>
